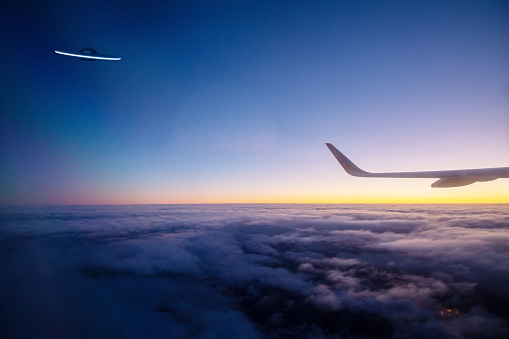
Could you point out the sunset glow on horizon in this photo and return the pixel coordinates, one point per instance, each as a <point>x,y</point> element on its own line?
<point>264,169</point>
<point>225,102</point>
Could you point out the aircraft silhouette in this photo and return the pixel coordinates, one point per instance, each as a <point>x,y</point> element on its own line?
<point>88,54</point>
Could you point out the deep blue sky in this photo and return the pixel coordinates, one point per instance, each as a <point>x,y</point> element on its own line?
<point>217,101</point>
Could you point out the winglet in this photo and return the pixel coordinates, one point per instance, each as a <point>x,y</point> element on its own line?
<point>347,164</point>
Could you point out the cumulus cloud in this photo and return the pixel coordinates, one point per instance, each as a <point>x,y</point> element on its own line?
<point>375,271</point>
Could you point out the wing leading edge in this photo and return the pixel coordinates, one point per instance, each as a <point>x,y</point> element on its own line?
<point>451,178</point>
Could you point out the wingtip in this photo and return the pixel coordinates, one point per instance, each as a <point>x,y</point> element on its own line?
<point>346,163</point>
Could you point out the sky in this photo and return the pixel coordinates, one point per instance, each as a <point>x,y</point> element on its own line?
<point>233,101</point>
<point>255,271</point>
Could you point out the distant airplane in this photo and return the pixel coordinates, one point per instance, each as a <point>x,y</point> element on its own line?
<point>89,54</point>
<point>451,178</point>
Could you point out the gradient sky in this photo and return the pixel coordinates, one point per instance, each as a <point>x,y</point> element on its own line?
<point>232,101</point>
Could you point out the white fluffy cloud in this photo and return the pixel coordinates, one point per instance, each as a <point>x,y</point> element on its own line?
<point>185,271</point>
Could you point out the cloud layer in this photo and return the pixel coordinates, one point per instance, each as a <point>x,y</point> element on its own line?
<point>255,271</point>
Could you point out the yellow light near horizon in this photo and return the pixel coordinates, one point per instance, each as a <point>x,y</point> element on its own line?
<point>321,191</point>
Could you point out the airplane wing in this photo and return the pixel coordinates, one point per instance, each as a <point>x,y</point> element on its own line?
<point>451,178</point>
